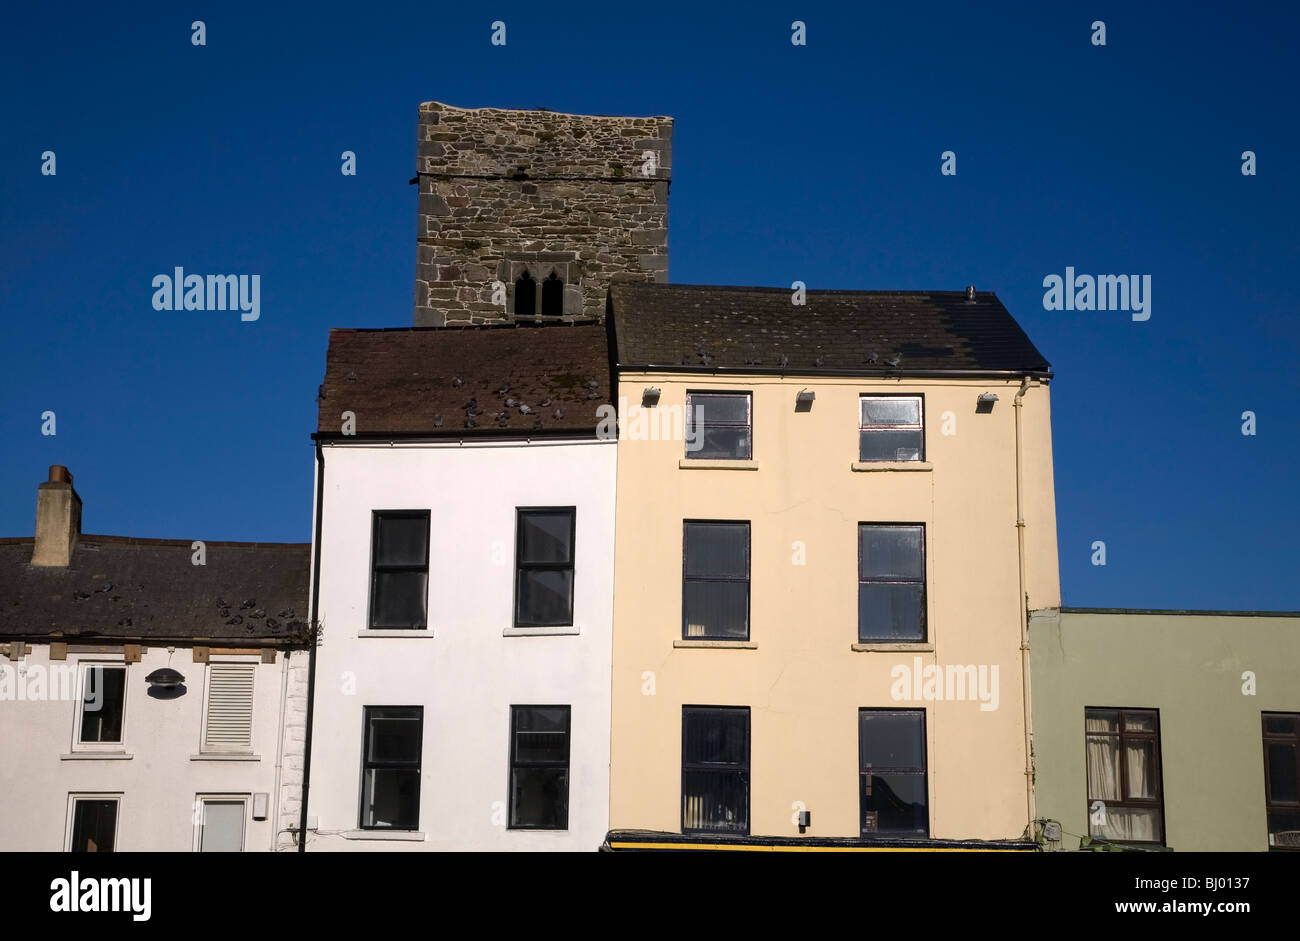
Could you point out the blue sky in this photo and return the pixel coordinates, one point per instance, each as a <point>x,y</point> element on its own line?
<point>817,163</point>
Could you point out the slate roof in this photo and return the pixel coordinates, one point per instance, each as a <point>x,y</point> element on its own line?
<point>118,588</point>
<point>438,380</point>
<point>708,328</point>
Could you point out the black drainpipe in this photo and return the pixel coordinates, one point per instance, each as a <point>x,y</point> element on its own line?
<point>311,654</point>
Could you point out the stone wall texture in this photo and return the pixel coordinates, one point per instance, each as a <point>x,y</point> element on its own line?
<point>578,197</point>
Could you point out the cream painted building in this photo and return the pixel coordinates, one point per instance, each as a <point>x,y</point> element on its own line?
<point>821,589</point>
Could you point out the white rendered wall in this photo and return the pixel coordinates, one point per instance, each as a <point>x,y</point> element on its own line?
<point>162,777</point>
<point>464,671</point>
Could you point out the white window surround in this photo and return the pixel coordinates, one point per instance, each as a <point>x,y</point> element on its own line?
<point>709,463</point>
<point>541,631</point>
<point>918,647</point>
<point>200,810</point>
<point>107,749</point>
<point>863,466</point>
<point>721,644</point>
<point>408,836</point>
<point>74,796</point>
<point>410,633</point>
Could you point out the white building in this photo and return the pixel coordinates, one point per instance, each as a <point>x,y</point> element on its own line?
<point>466,539</point>
<point>102,751</point>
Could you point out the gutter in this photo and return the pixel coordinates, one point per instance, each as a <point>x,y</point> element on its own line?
<point>1044,375</point>
<point>315,640</point>
<point>1019,405</point>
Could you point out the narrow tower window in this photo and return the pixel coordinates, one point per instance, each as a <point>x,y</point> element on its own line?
<point>552,297</point>
<point>525,296</point>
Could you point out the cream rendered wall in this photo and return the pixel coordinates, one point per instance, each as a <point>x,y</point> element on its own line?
<point>804,683</point>
<point>165,772</point>
<point>463,671</point>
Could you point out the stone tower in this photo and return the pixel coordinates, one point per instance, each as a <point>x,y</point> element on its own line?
<point>531,214</point>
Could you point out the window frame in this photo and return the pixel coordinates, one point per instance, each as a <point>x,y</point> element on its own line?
<point>367,765</point>
<point>520,566</point>
<point>748,579</point>
<point>202,799</point>
<point>864,428</point>
<point>923,771</point>
<point>376,569</point>
<point>1121,736</point>
<point>75,797</point>
<point>82,667</point>
<point>688,423</point>
<point>743,771</point>
<point>924,582</point>
<point>1271,806</point>
<point>513,764</point>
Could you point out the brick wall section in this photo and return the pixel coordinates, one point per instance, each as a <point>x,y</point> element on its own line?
<point>503,191</point>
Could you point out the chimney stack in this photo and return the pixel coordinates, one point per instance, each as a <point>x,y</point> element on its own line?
<point>58,519</point>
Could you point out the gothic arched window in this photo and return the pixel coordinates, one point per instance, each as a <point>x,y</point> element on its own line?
<point>552,297</point>
<point>525,296</point>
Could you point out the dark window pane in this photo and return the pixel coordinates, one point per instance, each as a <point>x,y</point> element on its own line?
<point>891,411</point>
<point>890,612</point>
<point>720,444</point>
<point>525,296</point>
<point>717,549</point>
<point>1103,768</point>
<point>891,551</point>
<point>1139,722</point>
<point>1102,720</point>
<point>545,597</point>
<point>720,409</point>
<point>391,798</point>
<point>891,740</point>
<point>399,599</point>
<point>718,427</point>
<point>717,609</point>
<point>890,445</point>
<point>393,735</point>
<point>1282,773</point>
<point>546,536</point>
<point>1281,725</point>
<point>552,296</point>
<point>897,801</point>
<point>103,696</point>
<point>390,780</point>
<point>716,801</point>
<point>1284,830</point>
<point>94,826</point>
<point>539,797</point>
<point>716,736</point>
<point>539,767</point>
<point>1140,759</point>
<point>403,540</point>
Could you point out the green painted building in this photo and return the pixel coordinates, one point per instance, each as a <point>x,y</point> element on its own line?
<point>1166,729</point>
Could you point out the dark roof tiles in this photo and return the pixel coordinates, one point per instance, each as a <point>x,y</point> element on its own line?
<point>468,381</point>
<point>704,326</point>
<point>118,588</point>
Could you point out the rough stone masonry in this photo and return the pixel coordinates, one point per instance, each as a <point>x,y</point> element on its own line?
<point>560,203</point>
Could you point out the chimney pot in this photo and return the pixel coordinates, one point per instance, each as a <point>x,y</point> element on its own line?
<point>58,519</point>
<point>970,292</point>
